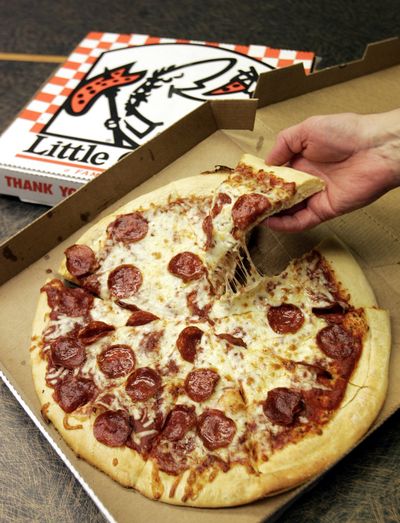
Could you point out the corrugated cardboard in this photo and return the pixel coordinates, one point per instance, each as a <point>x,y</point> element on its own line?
<point>196,144</point>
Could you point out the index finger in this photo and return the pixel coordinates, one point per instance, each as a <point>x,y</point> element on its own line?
<point>289,142</point>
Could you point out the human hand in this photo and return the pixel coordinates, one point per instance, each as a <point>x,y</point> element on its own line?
<point>358,156</point>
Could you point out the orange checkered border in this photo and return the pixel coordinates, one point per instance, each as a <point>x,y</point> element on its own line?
<point>47,101</point>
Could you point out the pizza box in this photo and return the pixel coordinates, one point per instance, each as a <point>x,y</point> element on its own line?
<point>196,143</point>
<point>58,142</point>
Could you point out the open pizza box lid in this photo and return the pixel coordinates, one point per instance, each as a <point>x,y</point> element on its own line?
<point>197,143</point>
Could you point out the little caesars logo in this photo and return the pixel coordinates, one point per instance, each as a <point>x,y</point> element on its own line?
<point>132,94</point>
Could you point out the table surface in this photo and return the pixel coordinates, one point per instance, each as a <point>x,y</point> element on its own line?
<point>34,484</point>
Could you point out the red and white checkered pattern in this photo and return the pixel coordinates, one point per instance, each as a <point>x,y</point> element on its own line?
<point>60,86</point>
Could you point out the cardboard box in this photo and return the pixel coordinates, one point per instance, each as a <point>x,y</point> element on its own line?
<point>63,138</point>
<point>197,143</point>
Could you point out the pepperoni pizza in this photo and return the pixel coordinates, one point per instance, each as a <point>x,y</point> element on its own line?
<point>170,363</point>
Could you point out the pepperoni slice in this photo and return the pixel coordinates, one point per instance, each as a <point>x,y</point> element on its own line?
<point>140,318</point>
<point>63,300</point>
<point>215,429</point>
<point>52,289</point>
<point>285,319</point>
<point>94,331</point>
<point>81,260</point>
<point>188,341</point>
<point>336,342</point>
<point>207,227</point>
<point>75,302</point>
<point>172,456</point>
<point>282,405</point>
<point>112,428</point>
<point>333,314</point>
<point>234,340</point>
<point>220,201</point>
<point>67,352</point>
<point>187,266</point>
<point>124,281</point>
<point>91,283</point>
<point>248,208</point>
<point>146,430</point>
<point>116,361</point>
<point>180,420</point>
<point>143,384</point>
<point>128,228</point>
<point>128,306</point>
<point>73,392</point>
<point>200,384</point>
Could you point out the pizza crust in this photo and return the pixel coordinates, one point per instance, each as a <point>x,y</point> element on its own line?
<point>122,464</point>
<point>306,183</point>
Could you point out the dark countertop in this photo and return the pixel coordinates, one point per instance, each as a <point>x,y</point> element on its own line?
<point>35,484</point>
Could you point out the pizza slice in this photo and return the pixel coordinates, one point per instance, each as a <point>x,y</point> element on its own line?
<point>315,369</point>
<point>69,323</point>
<point>251,192</point>
<point>202,438</point>
<point>147,256</point>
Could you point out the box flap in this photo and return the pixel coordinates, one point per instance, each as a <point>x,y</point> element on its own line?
<point>288,82</point>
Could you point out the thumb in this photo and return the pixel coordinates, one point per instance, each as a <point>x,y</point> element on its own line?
<point>300,221</point>
<point>289,142</point>
<point>317,210</point>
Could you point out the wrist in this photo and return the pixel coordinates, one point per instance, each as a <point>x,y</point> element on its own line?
<point>389,152</point>
<point>382,138</point>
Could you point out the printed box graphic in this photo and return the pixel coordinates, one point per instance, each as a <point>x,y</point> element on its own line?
<point>115,92</point>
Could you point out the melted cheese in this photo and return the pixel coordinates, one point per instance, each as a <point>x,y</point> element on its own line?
<point>172,230</point>
<point>269,360</point>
